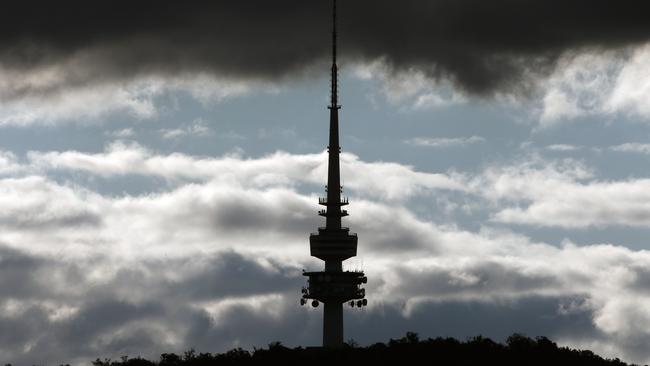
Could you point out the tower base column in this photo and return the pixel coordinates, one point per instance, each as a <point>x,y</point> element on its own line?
<point>333,325</point>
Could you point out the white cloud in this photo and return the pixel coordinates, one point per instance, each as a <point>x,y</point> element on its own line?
<point>563,194</point>
<point>560,193</point>
<point>563,147</point>
<point>197,128</point>
<point>9,163</point>
<point>412,89</point>
<point>122,134</point>
<point>136,256</point>
<point>574,205</point>
<point>537,192</point>
<point>581,85</point>
<point>82,105</point>
<point>632,87</point>
<point>633,147</point>
<point>441,142</point>
<point>594,82</point>
<point>386,180</point>
<point>54,94</point>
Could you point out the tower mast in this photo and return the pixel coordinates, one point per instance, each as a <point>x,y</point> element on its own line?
<point>335,76</point>
<point>333,219</point>
<point>334,243</point>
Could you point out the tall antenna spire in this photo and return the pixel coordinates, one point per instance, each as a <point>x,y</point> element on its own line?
<point>334,243</point>
<point>335,71</point>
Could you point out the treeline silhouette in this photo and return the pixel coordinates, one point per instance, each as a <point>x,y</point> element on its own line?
<point>518,350</point>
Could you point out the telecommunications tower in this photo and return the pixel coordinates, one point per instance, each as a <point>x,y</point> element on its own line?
<point>334,243</point>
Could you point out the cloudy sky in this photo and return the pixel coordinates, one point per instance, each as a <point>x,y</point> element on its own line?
<point>160,165</point>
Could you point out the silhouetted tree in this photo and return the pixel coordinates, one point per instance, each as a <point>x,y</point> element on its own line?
<point>351,343</point>
<point>170,359</point>
<point>410,349</point>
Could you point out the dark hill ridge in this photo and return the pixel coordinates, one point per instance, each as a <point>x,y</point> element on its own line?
<point>410,350</point>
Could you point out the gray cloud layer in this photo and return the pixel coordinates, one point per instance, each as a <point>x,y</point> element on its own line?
<point>481,46</point>
<point>162,272</point>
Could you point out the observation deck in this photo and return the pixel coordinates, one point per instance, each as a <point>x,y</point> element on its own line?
<point>333,244</point>
<point>335,287</point>
<point>323,201</point>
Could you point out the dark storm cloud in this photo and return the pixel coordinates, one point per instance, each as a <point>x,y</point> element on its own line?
<point>231,274</point>
<point>483,46</point>
<point>143,305</point>
<point>239,213</point>
<point>22,275</point>
<point>533,315</point>
<point>16,267</point>
<point>142,299</point>
<point>79,337</point>
<point>293,325</point>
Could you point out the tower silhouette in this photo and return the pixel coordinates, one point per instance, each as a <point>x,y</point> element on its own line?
<point>334,243</point>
